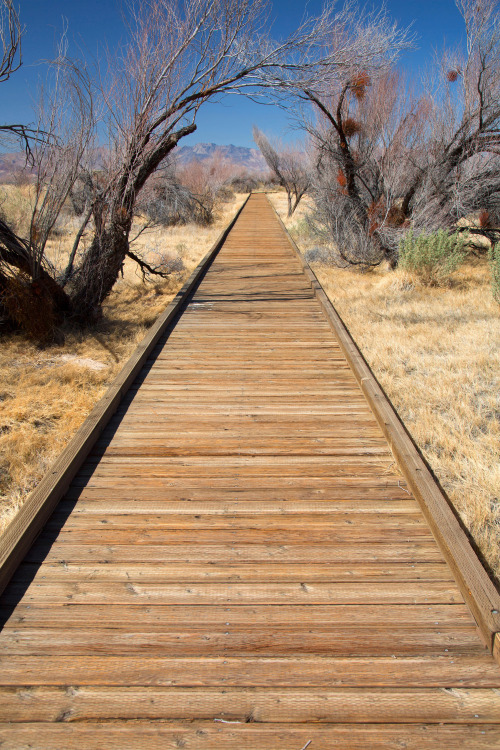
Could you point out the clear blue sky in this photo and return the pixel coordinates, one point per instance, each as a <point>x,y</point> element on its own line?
<point>91,23</point>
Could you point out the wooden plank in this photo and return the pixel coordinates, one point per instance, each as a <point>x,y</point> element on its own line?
<point>381,495</point>
<point>378,523</point>
<point>247,505</point>
<point>237,536</point>
<point>251,572</point>
<point>342,478</point>
<point>410,551</point>
<point>102,592</point>
<point>378,617</point>
<point>202,641</point>
<point>314,466</point>
<point>465,671</point>
<point>456,705</point>
<point>246,736</point>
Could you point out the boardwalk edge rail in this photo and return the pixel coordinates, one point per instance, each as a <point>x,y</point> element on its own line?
<point>472,579</point>
<point>42,501</point>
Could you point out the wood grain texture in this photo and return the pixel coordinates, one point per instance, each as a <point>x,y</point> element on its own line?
<point>239,562</point>
<point>210,735</point>
<point>433,705</point>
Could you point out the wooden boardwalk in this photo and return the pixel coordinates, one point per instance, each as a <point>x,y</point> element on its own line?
<point>239,563</point>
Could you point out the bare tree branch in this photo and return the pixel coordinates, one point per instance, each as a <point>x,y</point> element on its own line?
<point>290,165</point>
<point>146,268</point>
<point>11,32</point>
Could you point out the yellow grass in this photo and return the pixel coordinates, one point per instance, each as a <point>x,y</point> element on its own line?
<point>45,394</point>
<point>15,203</point>
<point>436,352</point>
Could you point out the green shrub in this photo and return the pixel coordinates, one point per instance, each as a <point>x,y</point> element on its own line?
<point>432,257</point>
<point>494,258</point>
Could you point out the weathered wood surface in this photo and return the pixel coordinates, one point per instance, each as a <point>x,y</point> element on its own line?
<point>239,562</point>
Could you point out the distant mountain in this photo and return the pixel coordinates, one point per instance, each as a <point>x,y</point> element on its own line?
<point>249,159</point>
<point>11,165</point>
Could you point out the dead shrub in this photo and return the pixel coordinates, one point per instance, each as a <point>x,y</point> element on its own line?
<point>167,263</point>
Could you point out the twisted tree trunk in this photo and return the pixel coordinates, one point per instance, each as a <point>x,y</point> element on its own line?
<point>104,259</point>
<point>100,269</point>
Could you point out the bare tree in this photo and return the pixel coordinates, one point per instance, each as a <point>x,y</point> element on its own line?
<point>388,161</point>
<point>289,164</point>
<point>10,39</point>
<point>366,135</point>
<point>67,113</point>
<point>364,47</point>
<point>180,55</point>
<point>458,169</point>
<point>30,290</point>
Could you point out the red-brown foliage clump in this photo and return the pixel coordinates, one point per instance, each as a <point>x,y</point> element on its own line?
<point>377,208</point>
<point>359,84</point>
<point>452,75</point>
<point>341,178</point>
<point>380,214</point>
<point>484,219</point>
<point>351,127</point>
<point>395,216</point>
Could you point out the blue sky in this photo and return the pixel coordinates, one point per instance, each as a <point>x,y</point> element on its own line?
<point>92,23</point>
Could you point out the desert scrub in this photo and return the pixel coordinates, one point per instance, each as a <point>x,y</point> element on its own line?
<point>435,350</point>
<point>318,255</point>
<point>432,258</point>
<point>494,259</point>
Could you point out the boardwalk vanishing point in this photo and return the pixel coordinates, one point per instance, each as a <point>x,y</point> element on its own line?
<point>238,561</point>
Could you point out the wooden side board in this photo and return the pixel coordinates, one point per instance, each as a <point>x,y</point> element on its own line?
<point>475,585</point>
<point>31,518</point>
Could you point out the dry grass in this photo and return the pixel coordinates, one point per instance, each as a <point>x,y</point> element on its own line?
<point>45,394</point>
<point>436,352</point>
<point>15,203</point>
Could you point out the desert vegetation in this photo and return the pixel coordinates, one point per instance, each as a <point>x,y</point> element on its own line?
<point>289,165</point>
<point>392,164</point>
